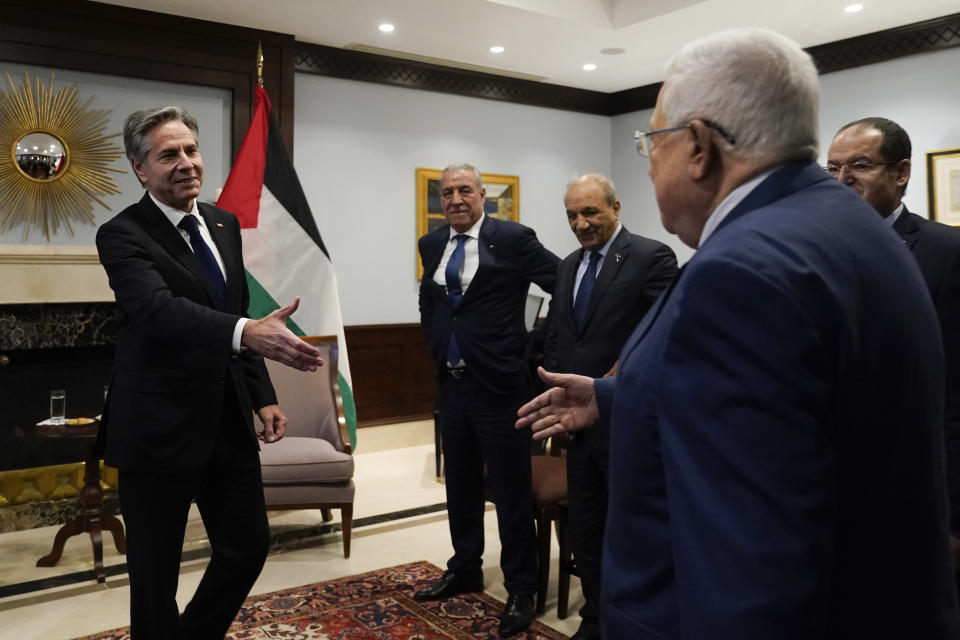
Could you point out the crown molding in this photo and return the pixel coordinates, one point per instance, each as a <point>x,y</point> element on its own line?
<point>880,46</point>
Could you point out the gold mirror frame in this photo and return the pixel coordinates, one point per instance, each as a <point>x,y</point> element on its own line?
<point>68,198</point>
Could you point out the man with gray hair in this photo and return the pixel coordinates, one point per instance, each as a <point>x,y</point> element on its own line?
<point>188,375</point>
<point>603,291</point>
<point>476,273</point>
<point>776,454</point>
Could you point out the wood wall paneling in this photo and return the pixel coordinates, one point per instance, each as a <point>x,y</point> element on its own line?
<point>393,376</point>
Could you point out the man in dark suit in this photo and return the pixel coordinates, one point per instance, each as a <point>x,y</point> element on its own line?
<point>603,291</point>
<point>188,375</point>
<point>872,157</point>
<point>477,270</point>
<point>776,449</point>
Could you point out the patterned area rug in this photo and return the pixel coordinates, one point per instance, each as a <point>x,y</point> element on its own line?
<point>371,606</point>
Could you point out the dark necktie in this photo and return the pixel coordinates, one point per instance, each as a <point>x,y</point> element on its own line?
<point>454,290</point>
<point>208,262</point>
<point>586,288</point>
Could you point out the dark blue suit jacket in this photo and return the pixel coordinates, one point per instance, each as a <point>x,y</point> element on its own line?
<point>937,250</point>
<point>489,321</point>
<point>776,457</point>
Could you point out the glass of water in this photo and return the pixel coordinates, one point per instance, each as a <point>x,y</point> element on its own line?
<point>58,406</point>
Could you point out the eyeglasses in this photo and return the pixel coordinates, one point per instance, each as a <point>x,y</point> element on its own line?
<point>642,138</point>
<point>858,167</point>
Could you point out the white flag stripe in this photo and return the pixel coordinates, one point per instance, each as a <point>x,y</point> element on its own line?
<point>288,263</point>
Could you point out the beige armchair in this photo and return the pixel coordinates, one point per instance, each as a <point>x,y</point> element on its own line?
<point>312,466</point>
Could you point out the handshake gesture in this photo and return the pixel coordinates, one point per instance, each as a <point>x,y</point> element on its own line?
<point>270,337</point>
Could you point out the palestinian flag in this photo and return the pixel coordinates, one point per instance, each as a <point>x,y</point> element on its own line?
<point>282,249</point>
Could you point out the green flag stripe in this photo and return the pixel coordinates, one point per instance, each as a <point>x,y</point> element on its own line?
<point>262,304</point>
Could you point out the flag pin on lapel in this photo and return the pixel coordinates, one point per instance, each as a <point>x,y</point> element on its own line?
<point>220,224</point>
<point>617,256</point>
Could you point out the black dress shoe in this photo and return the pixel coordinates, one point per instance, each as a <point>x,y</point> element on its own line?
<point>450,584</point>
<point>587,631</point>
<point>517,615</point>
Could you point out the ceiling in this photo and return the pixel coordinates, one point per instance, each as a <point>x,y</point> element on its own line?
<point>548,40</point>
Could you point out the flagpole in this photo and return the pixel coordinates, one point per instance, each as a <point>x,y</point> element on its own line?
<point>259,65</point>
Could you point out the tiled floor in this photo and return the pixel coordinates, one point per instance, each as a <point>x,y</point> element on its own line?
<point>394,472</point>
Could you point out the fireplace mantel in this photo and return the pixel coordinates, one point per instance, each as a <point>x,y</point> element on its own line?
<point>32,274</point>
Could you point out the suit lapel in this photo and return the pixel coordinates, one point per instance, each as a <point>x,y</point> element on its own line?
<point>616,256</point>
<point>907,227</point>
<point>487,253</point>
<point>159,227</point>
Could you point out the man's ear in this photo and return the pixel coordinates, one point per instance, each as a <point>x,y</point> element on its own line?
<point>903,173</point>
<point>139,171</point>
<point>701,151</point>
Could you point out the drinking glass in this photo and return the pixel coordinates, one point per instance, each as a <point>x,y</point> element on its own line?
<point>58,406</point>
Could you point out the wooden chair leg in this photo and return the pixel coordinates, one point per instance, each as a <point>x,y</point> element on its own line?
<point>566,560</point>
<point>543,546</point>
<point>326,514</point>
<point>346,526</point>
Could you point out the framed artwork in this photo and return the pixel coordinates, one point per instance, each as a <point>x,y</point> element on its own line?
<point>943,186</point>
<point>502,201</point>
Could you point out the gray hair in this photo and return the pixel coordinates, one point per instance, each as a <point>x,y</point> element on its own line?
<point>609,191</point>
<point>139,123</point>
<point>755,83</point>
<point>463,166</point>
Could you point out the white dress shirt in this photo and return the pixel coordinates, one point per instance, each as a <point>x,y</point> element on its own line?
<point>174,215</point>
<point>471,256</point>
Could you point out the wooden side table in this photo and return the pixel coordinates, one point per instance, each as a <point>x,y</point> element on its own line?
<point>91,518</point>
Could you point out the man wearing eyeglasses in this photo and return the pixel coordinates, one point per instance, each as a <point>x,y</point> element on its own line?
<point>872,157</point>
<point>776,457</point>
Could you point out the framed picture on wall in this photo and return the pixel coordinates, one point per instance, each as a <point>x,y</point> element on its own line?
<point>943,185</point>
<point>502,201</point>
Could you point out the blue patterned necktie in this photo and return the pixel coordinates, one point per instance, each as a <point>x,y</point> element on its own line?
<point>586,288</point>
<point>455,291</point>
<point>218,287</point>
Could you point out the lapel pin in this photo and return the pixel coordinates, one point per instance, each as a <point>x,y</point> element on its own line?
<point>220,224</point>
<point>617,257</point>
<point>491,246</point>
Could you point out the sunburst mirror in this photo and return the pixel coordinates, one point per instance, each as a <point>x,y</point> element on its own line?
<point>57,161</point>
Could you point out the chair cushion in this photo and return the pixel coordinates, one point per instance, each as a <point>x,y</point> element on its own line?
<point>304,461</point>
<point>549,479</point>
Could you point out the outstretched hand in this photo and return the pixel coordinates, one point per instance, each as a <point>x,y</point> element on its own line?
<point>270,337</point>
<point>570,405</point>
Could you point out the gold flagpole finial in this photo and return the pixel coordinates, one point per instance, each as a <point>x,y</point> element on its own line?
<point>259,65</point>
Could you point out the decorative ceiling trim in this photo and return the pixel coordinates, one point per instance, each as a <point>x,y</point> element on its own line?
<point>369,67</point>
<point>881,46</point>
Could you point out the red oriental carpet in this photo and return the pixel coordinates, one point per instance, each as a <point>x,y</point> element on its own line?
<point>378,605</point>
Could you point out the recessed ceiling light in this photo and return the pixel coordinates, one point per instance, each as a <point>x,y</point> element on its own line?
<point>853,8</point>
<point>612,51</point>
<point>386,27</point>
<point>496,49</point>
<point>589,66</point>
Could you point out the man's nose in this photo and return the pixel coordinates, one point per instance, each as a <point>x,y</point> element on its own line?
<point>582,224</point>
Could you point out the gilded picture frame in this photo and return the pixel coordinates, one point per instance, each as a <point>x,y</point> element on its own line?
<point>502,201</point>
<point>943,185</point>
